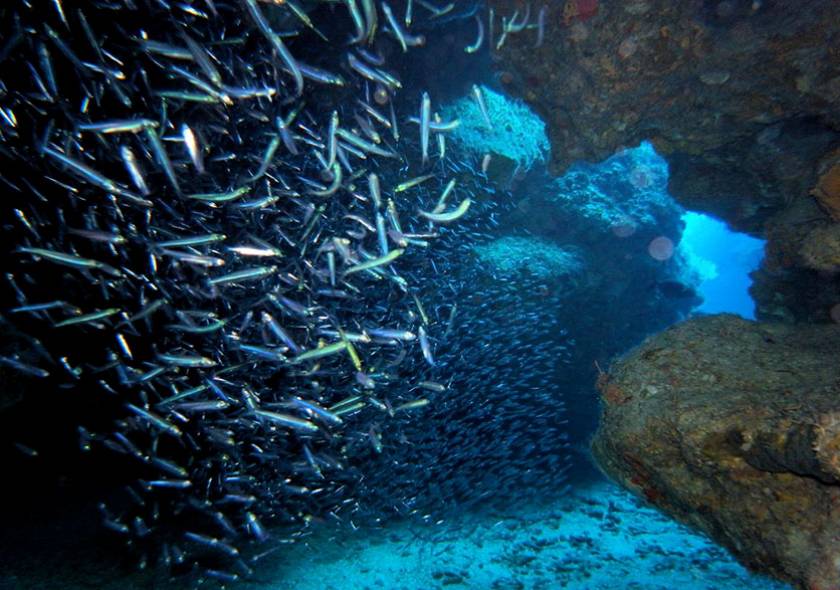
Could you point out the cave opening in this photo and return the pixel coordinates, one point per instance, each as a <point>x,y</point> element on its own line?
<point>723,260</point>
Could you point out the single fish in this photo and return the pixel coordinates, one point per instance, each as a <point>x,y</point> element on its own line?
<point>287,421</point>
<point>413,404</point>
<point>71,260</point>
<point>191,241</point>
<point>376,262</point>
<point>184,360</point>
<point>276,42</point>
<point>154,420</point>
<point>425,346</point>
<point>316,410</point>
<point>478,95</point>
<point>193,149</point>
<point>425,121</point>
<point>449,217</point>
<point>119,126</point>
<point>248,274</point>
<point>479,41</point>
<point>396,29</point>
<point>404,186</point>
<point>162,158</point>
<point>220,197</point>
<point>320,352</point>
<point>88,318</point>
<point>94,177</point>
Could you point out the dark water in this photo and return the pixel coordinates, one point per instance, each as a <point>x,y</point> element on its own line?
<point>297,385</point>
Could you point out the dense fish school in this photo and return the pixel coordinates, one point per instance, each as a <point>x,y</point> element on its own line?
<point>244,234</point>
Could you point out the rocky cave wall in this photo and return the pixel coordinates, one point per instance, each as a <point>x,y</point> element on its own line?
<point>740,97</point>
<point>729,426</point>
<point>733,427</point>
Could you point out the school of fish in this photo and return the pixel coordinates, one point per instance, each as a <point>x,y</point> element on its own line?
<point>234,223</point>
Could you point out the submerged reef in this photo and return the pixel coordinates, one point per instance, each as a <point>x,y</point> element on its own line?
<point>734,428</point>
<point>584,236</point>
<point>741,100</point>
<point>624,197</point>
<point>264,272</point>
<point>739,97</point>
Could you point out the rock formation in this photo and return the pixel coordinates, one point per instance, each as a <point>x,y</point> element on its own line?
<point>741,98</point>
<point>734,428</point>
<point>729,425</point>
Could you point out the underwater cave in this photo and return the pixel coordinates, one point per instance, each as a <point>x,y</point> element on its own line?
<point>408,294</point>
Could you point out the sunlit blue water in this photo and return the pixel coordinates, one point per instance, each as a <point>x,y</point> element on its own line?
<point>724,259</point>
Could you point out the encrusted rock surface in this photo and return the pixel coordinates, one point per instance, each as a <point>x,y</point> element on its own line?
<point>734,428</point>
<point>731,426</point>
<point>742,97</point>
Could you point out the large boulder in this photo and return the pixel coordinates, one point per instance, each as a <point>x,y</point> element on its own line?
<point>733,427</point>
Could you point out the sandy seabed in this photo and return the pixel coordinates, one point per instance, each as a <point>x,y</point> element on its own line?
<point>597,537</point>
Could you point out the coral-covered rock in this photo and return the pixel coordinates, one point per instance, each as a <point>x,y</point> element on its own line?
<point>511,129</point>
<point>733,427</point>
<point>541,258</point>
<point>740,97</point>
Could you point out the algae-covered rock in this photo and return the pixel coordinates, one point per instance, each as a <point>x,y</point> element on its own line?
<point>821,248</point>
<point>625,194</point>
<point>513,130</point>
<point>541,258</point>
<point>741,97</point>
<point>733,427</point>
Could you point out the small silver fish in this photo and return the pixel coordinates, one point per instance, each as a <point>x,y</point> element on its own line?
<point>425,121</point>
<point>193,149</point>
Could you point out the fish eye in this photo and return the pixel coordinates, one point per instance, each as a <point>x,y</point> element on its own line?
<point>381,95</point>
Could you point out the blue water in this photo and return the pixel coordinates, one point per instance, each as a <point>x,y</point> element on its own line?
<point>726,258</point>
